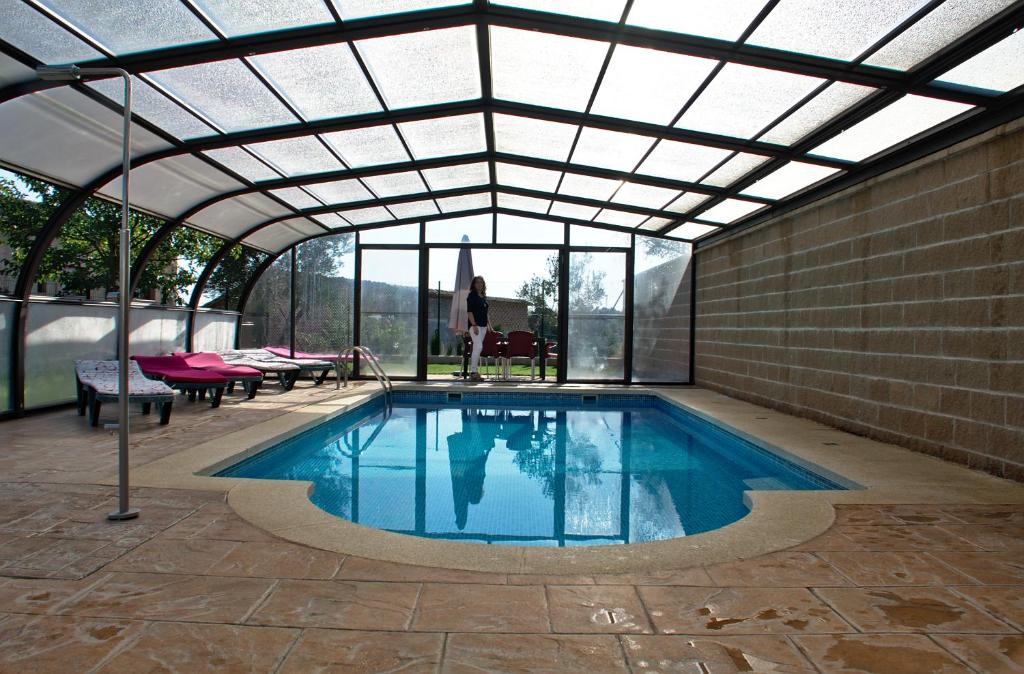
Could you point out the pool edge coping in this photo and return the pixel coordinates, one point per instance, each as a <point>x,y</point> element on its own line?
<point>777,520</point>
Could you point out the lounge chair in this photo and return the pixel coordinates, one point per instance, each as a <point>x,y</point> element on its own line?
<point>288,370</point>
<point>285,352</point>
<point>97,382</point>
<point>250,378</point>
<point>176,373</point>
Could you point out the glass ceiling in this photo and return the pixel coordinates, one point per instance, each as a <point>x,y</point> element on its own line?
<point>678,118</point>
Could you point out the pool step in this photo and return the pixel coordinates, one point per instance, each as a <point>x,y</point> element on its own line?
<point>765,484</point>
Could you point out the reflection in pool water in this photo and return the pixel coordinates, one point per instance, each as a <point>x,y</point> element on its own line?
<point>547,474</point>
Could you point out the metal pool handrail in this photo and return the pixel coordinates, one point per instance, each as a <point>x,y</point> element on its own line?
<point>371,362</point>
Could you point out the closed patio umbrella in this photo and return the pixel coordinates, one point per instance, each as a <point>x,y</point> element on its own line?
<point>458,319</point>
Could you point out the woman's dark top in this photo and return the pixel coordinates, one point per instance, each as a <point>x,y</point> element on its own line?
<point>477,306</point>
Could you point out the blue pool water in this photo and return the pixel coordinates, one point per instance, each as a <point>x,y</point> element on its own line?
<point>529,469</point>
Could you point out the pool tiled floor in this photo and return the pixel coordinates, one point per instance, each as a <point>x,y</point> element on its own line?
<point>191,587</point>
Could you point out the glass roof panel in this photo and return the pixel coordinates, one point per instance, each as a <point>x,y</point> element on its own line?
<point>372,146</point>
<point>227,93</point>
<point>445,136</point>
<point>613,217</point>
<point>610,149</point>
<point>34,34</point>
<point>533,137</point>
<point>940,27</point>
<point>413,209</point>
<point>527,177</point>
<point>395,184</point>
<point>465,202</point>
<point>366,216</point>
<point>646,196</point>
<point>654,224</point>
<point>332,220</point>
<point>520,229</point>
<point>588,187</point>
<point>999,68</point>
<point>742,100</point>
<point>730,210</point>
<point>141,25</point>
<point>521,203</point>
<point>296,197</point>
<point>554,71</point>
<point>649,85</point>
<point>903,119</point>
<point>688,201</point>
<point>153,106</point>
<point>244,17</point>
<point>692,230</point>
<point>340,191</point>
<point>243,163</point>
<point>577,211</point>
<point>734,169</point>
<point>361,9</point>
<point>297,156</point>
<point>320,82</point>
<point>835,99</point>
<point>454,177</point>
<point>433,66</point>
<point>790,178</point>
<point>838,30</point>
<point>581,235</point>
<point>720,20</point>
<point>681,161</point>
<point>602,10</point>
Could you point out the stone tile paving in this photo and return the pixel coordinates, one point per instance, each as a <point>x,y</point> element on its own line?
<point>190,587</point>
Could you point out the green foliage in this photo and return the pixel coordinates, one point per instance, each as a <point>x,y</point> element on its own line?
<point>85,255</point>
<point>541,292</point>
<point>231,275</point>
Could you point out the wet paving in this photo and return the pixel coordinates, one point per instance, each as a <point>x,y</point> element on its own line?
<point>191,587</point>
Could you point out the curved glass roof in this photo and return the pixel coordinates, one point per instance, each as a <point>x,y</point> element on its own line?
<point>270,121</point>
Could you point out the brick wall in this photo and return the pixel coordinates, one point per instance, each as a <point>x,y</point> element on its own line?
<point>894,309</point>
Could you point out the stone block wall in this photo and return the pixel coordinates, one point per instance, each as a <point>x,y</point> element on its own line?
<point>894,309</point>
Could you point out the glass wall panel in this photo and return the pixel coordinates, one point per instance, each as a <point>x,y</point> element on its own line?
<point>597,322</point>
<point>157,331</point>
<point>224,288</point>
<point>479,229</point>
<point>58,334</point>
<point>518,229</point>
<point>266,320</point>
<point>324,294</point>
<point>396,234</point>
<point>390,308</point>
<point>7,310</point>
<point>214,331</point>
<point>594,236</point>
<point>661,310</point>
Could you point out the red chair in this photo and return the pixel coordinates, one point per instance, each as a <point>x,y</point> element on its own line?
<point>522,344</point>
<point>494,347</point>
<point>250,378</point>
<point>176,373</point>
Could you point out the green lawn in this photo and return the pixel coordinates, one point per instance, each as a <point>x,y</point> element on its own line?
<point>448,368</point>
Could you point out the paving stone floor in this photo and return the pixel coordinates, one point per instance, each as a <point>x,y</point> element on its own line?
<point>191,587</point>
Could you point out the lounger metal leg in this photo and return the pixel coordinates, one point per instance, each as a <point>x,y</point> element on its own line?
<point>231,387</point>
<point>216,394</point>
<point>322,377</point>
<point>192,395</point>
<point>165,413</point>
<point>289,379</point>
<point>202,394</point>
<point>250,389</point>
<point>81,398</point>
<point>94,409</point>
<point>147,408</point>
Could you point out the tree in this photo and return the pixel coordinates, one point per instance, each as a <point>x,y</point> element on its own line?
<point>541,292</point>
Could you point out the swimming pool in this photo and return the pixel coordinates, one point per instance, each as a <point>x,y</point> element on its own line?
<point>535,469</point>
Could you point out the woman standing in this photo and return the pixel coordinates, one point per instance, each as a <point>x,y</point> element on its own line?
<point>476,304</point>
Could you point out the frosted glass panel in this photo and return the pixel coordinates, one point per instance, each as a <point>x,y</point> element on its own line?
<point>141,25</point>
<point>999,68</point>
<point>518,202</point>
<point>340,191</point>
<point>371,146</point>
<point>554,71</point>
<point>903,119</point>
<point>661,310</point>
<point>692,230</point>
<point>835,99</point>
<point>227,93</point>
<point>445,136</point>
<point>362,9</point>
<point>527,177</point>
<point>722,20</point>
<point>681,161</point>
<point>243,163</point>
<point>33,33</point>
<point>533,137</point>
<point>734,169</point>
<point>610,149</point>
<point>790,178</point>
<point>454,177</point>
<point>646,196</point>
<point>602,10</point>
<point>153,106</point>
<point>59,334</point>
<point>621,218</point>
<point>589,187</point>
<point>258,16</point>
<point>366,216</point>
<point>466,202</point>
<point>297,156</point>
<point>296,197</point>
<point>214,331</point>
<point>564,209</point>
<point>320,82</point>
<point>425,67</point>
<point>687,201</point>
<point>729,210</point>
<point>413,209</point>
<point>649,85</point>
<point>395,184</point>
<point>7,310</point>
<point>597,322</point>
<point>742,100</point>
<point>157,332</point>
